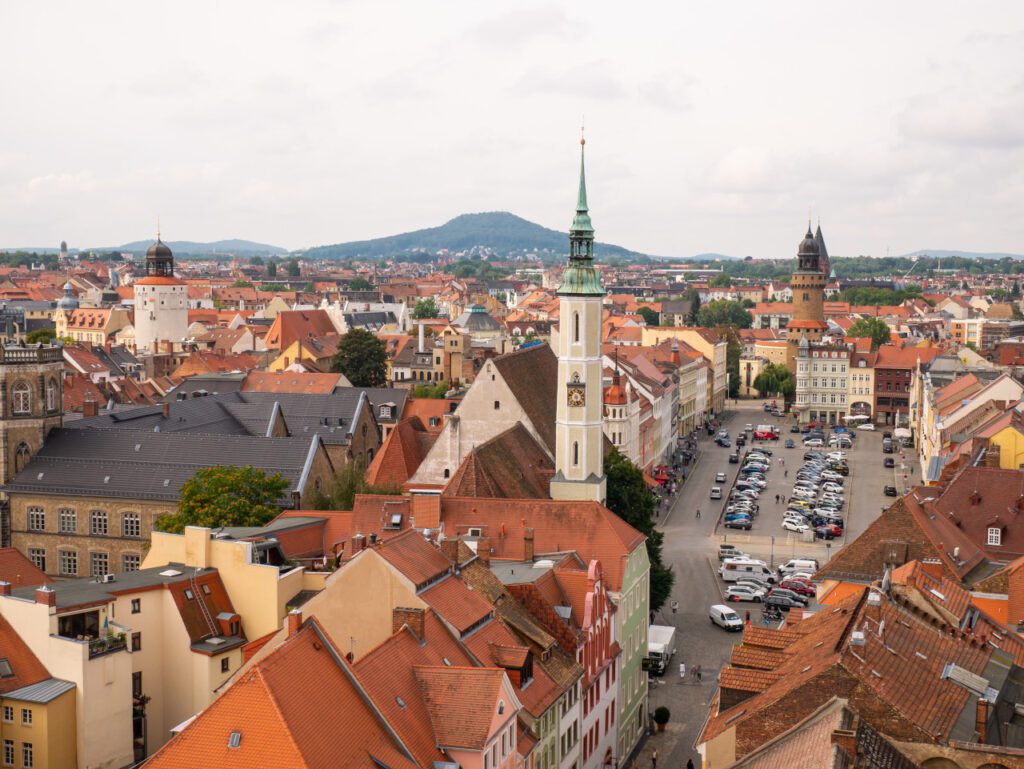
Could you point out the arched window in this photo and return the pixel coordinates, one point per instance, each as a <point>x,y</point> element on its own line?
<point>21,398</point>
<point>21,456</point>
<point>51,395</point>
<point>575,327</point>
<point>575,453</point>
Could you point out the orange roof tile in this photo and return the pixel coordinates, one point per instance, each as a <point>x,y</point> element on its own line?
<point>416,558</point>
<point>26,669</point>
<point>403,451</point>
<point>19,571</point>
<point>461,702</point>
<point>456,603</point>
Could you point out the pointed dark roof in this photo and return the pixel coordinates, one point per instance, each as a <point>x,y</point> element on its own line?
<point>822,252</point>
<point>511,465</point>
<point>532,375</point>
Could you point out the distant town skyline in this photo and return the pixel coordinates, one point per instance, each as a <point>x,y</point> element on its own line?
<point>714,129</point>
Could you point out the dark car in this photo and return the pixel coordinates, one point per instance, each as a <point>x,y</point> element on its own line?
<point>781,602</point>
<point>886,434</point>
<point>890,491</point>
<point>890,462</point>
<point>734,458</point>
<point>797,586</point>
<point>741,440</point>
<point>795,428</point>
<point>789,443</point>
<point>827,531</point>
<point>744,524</point>
<point>803,599</point>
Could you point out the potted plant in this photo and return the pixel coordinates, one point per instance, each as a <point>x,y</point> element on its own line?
<point>661,716</point>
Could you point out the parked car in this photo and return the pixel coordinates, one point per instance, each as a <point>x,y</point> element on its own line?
<point>866,426</point>
<point>734,458</point>
<point>725,550</point>
<point>827,531</point>
<point>781,602</point>
<point>725,618</point>
<point>890,491</point>
<point>744,593</point>
<point>748,428</point>
<point>738,522</point>
<point>795,428</point>
<point>757,584</point>
<point>886,434</point>
<point>716,492</point>
<point>803,599</point>
<point>789,443</point>
<point>813,442</point>
<point>723,442</point>
<point>799,587</point>
<point>889,462</point>
<point>799,528</point>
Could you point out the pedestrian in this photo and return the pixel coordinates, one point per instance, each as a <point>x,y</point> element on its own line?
<point>654,759</point>
<point>689,763</point>
<point>698,513</point>
<point>785,474</point>
<point>699,671</point>
<point>748,619</point>
<point>682,672</point>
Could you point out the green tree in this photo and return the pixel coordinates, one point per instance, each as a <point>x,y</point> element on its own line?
<point>226,495</point>
<point>40,336</point>
<point>775,379</point>
<point>348,482</point>
<point>631,500</point>
<point>271,269</point>
<point>651,318</point>
<point>873,328</point>
<point>425,308</point>
<point>426,390</point>
<point>362,358</point>
<point>720,281</point>
<point>256,261</point>
<point>692,295</point>
<point>359,283</point>
<point>293,268</point>
<point>241,284</point>
<point>722,312</point>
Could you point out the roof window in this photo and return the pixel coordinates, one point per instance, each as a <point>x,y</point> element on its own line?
<point>5,668</point>
<point>235,739</point>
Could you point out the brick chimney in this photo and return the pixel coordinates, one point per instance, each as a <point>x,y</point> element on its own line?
<point>90,408</point>
<point>846,739</point>
<point>528,543</point>
<point>981,720</point>
<point>358,543</point>
<point>450,549</point>
<point>46,596</point>
<point>5,588</point>
<point>167,410</point>
<point>294,618</point>
<point>412,617</point>
<point>483,550</point>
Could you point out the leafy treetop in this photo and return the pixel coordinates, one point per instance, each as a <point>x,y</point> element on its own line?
<point>362,358</point>
<point>226,495</point>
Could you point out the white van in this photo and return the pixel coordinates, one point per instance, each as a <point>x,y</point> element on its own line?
<point>725,617</point>
<point>734,569</point>
<point>798,564</point>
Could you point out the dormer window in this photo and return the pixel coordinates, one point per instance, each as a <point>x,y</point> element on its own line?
<point>995,536</point>
<point>385,412</point>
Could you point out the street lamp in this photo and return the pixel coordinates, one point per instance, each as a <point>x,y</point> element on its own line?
<point>772,559</point>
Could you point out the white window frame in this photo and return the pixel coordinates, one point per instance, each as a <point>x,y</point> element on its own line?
<point>995,536</point>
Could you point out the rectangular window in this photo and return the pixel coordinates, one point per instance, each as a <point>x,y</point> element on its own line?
<point>8,714</point>
<point>26,716</point>
<point>131,561</point>
<point>137,684</point>
<point>136,642</point>
<point>26,755</point>
<point>68,521</point>
<point>38,557</point>
<point>225,665</point>
<point>98,526</point>
<point>68,563</point>
<point>8,752</point>
<point>99,564</point>
<point>130,525</point>
<point>995,536</point>
<point>136,605</point>
<point>36,519</point>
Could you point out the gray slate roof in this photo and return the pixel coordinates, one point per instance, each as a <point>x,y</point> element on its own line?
<point>42,692</point>
<point>86,590</point>
<point>152,465</point>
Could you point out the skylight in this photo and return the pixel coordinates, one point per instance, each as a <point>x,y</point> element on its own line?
<point>235,739</point>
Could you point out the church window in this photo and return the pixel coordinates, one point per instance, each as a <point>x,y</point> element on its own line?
<point>576,326</point>
<point>21,456</point>
<point>21,398</point>
<point>51,395</point>
<point>497,405</point>
<point>575,453</point>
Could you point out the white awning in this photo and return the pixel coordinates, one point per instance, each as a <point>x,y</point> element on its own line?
<point>901,432</point>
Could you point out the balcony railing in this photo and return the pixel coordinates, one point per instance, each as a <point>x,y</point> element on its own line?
<point>107,644</point>
<point>31,354</point>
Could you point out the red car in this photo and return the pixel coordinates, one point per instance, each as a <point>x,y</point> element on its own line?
<point>797,586</point>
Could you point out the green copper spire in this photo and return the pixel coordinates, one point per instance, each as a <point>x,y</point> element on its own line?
<point>580,277</point>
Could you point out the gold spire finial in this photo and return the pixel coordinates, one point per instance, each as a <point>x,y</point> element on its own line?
<point>582,128</point>
<point>158,226</point>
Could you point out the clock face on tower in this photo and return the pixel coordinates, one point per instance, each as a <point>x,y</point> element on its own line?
<point>576,396</point>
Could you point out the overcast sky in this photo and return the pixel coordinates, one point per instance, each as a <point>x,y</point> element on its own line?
<point>710,126</point>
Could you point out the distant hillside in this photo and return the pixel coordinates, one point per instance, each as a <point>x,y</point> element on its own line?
<point>942,254</point>
<point>500,231</point>
<point>190,248</point>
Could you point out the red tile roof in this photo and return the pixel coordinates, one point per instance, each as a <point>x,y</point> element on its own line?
<point>403,451</point>
<point>459,606</point>
<point>416,558</point>
<point>461,702</point>
<point>512,464</point>
<point>290,382</point>
<point>26,668</point>
<point>291,325</point>
<point>19,571</point>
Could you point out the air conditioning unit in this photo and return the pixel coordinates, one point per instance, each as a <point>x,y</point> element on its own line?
<point>107,578</point>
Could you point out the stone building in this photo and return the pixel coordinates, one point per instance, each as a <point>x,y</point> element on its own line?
<point>30,403</point>
<point>808,285</point>
<point>161,301</point>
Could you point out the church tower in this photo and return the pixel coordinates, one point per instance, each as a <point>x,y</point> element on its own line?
<point>161,301</point>
<point>579,431</point>
<point>808,286</point>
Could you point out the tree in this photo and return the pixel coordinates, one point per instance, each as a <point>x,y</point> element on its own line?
<point>631,500</point>
<point>733,351</point>
<point>256,261</point>
<point>425,308</point>
<point>775,379</point>
<point>40,336</point>
<point>362,358</point>
<point>293,268</point>
<point>722,312</point>
<point>226,495</point>
<point>271,269</point>
<point>241,284</point>
<point>720,281</point>
<point>873,328</point>
<point>438,390</point>
<point>692,296</point>
<point>359,284</point>
<point>651,318</point>
<point>348,482</point>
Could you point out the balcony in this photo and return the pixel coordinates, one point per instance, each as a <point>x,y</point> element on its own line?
<point>107,644</point>
<point>31,354</point>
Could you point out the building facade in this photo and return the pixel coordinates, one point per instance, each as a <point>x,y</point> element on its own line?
<point>161,301</point>
<point>822,382</point>
<point>808,284</point>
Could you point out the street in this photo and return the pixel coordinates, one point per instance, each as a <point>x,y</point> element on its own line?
<point>690,547</point>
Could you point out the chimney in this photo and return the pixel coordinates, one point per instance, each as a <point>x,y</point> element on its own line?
<point>846,740</point>
<point>46,596</point>
<point>450,549</point>
<point>167,410</point>
<point>90,408</point>
<point>483,550</point>
<point>294,618</point>
<point>422,342</point>
<point>528,544</point>
<point>874,607</point>
<point>106,346</point>
<point>358,543</point>
<point>981,720</point>
<point>5,588</point>
<point>412,617</point>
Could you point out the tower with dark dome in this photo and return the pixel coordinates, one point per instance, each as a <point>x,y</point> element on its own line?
<point>161,302</point>
<point>808,287</point>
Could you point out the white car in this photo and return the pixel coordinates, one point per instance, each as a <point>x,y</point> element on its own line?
<point>744,593</point>
<point>794,519</point>
<point>794,526</point>
<point>832,486</point>
<point>720,478</point>
<point>748,428</point>
<point>716,492</point>
<point>866,426</point>
<point>813,443</point>
<point>837,456</point>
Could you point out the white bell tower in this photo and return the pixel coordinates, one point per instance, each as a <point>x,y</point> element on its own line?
<point>579,432</point>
